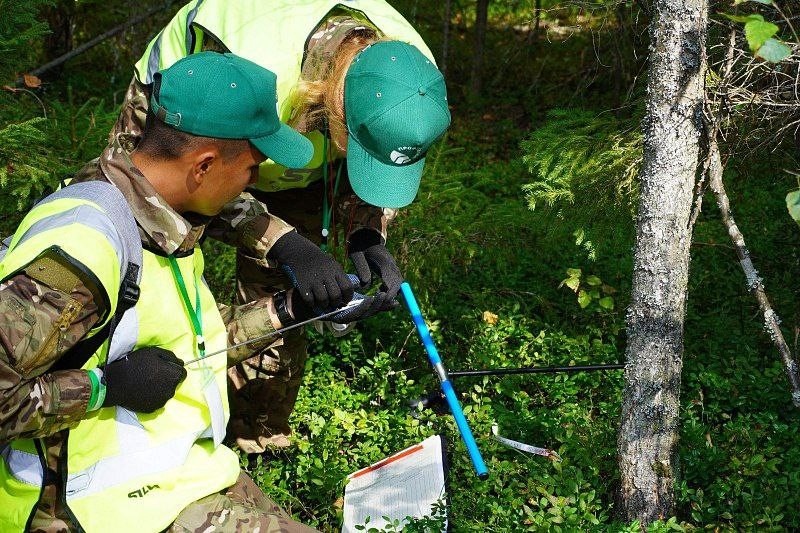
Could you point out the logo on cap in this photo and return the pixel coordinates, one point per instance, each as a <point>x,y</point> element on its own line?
<point>405,154</point>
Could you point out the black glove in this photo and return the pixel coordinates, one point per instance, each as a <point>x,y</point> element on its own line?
<point>369,255</point>
<point>143,380</point>
<point>319,279</point>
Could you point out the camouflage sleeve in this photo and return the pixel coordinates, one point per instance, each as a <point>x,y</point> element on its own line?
<point>43,313</point>
<point>246,224</point>
<point>360,215</point>
<point>248,321</point>
<point>134,110</point>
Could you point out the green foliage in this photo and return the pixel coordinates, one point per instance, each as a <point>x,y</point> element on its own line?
<point>35,154</point>
<point>19,29</point>
<point>590,289</point>
<point>585,166</point>
<point>760,34</point>
<point>793,205</point>
<point>433,523</point>
<point>23,162</point>
<point>24,172</point>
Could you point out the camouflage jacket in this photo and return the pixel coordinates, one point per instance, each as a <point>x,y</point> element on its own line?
<point>38,403</point>
<point>228,227</point>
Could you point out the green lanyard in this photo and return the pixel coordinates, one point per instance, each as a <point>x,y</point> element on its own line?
<point>196,312</point>
<point>327,211</point>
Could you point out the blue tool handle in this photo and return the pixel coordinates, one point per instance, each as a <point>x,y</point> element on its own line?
<point>466,432</point>
<point>447,387</point>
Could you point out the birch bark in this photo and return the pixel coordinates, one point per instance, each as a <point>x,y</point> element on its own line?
<point>673,130</point>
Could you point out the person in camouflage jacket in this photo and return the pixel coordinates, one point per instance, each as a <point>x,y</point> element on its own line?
<point>50,305</point>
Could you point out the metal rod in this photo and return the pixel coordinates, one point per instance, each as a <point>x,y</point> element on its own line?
<point>535,370</point>
<point>281,331</point>
<point>447,387</point>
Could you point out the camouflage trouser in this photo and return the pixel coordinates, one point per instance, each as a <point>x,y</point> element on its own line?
<point>242,507</point>
<point>264,388</point>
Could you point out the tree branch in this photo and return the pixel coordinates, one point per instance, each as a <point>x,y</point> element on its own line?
<point>93,42</point>
<point>755,284</point>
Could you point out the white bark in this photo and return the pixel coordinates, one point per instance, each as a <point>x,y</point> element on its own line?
<point>673,129</point>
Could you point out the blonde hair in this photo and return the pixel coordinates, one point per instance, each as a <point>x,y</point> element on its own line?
<point>319,100</point>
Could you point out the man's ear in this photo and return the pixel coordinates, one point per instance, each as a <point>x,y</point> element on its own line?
<point>203,162</point>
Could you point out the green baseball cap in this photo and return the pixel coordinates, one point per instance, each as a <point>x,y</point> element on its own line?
<point>395,107</point>
<point>227,97</point>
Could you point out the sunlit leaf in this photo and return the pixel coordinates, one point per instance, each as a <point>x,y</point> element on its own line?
<point>490,318</point>
<point>606,303</point>
<point>572,283</point>
<point>757,33</point>
<point>793,204</point>
<point>31,81</point>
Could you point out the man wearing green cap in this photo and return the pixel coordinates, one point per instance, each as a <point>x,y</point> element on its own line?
<point>357,80</point>
<point>109,418</point>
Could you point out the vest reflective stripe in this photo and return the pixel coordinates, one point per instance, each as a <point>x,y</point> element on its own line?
<point>92,204</point>
<point>189,19</point>
<point>87,215</point>
<point>125,336</point>
<point>97,205</point>
<point>128,471</point>
<point>130,462</point>
<point>114,208</point>
<point>26,467</point>
<point>153,58</point>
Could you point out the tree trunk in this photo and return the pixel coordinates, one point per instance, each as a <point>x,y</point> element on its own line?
<point>673,129</point>
<point>481,18</point>
<point>533,32</point>
<point>60,19</point>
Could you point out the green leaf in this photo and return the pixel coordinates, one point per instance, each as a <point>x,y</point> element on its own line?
<point>774,51</point>
<point>593,281</point>
<point>757,33</point>
<point>793,204</point>
<point>572,283</point>
<point>574,272</point>
<point>606,303</point>
<point>584,299</point>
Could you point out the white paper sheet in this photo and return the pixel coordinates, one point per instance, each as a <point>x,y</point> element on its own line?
<point>405,484</point>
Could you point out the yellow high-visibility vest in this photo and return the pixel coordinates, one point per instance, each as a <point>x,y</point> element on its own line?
<point>126,471</point>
